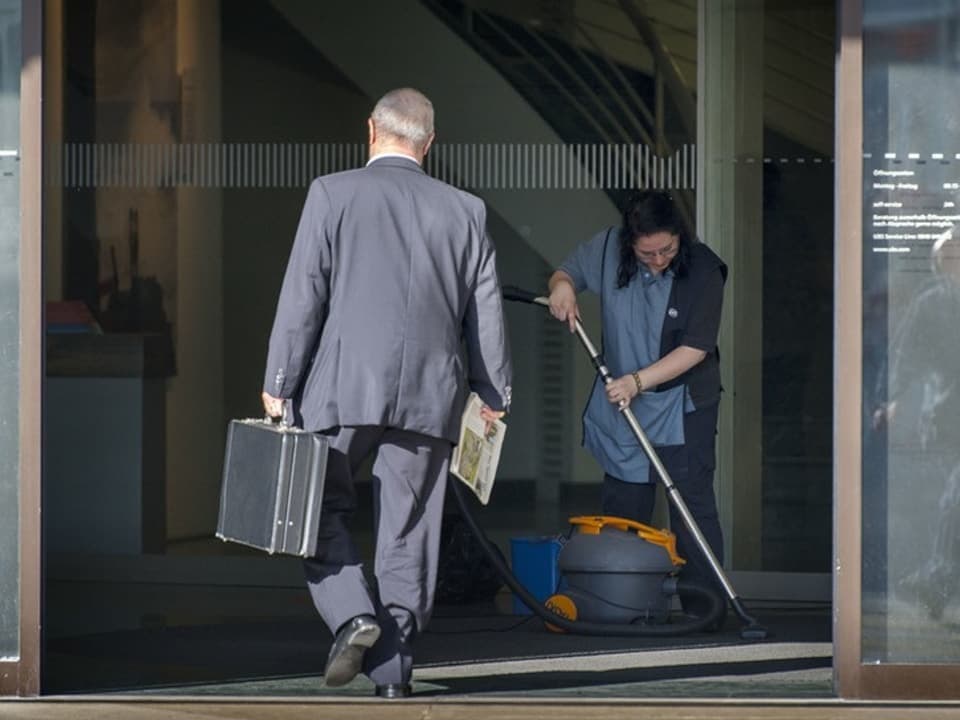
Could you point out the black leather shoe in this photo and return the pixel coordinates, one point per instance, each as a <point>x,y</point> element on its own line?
<point>394,691</point>
<point>353,639</point>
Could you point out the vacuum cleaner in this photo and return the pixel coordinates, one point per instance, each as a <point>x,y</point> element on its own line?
<point>618,577</point>
<point>615,570</point>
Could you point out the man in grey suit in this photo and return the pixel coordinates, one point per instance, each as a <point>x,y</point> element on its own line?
<point>390,279</point>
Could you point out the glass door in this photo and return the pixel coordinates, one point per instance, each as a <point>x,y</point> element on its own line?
<point>182,138</point>
<point>896,462</point>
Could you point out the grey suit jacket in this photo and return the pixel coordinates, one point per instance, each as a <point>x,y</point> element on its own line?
<point>391,306</point>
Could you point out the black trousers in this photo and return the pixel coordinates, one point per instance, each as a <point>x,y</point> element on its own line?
<point>691,467</point>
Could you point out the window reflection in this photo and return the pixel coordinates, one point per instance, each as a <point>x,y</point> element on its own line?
<point>911,370</point>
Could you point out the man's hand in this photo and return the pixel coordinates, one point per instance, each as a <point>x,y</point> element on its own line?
<point>272,406</point>
<point>883,415</point>
<point>490,416</point>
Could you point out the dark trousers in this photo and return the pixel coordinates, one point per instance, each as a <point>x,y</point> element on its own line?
<point>691,467</point>
<point>409,482</point>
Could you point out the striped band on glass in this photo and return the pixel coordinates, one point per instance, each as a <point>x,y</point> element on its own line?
<point>474,166</point>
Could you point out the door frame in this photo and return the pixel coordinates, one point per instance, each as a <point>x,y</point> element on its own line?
<point>21,675</point>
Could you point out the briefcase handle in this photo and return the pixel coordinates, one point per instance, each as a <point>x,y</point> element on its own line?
<point>285,420</point>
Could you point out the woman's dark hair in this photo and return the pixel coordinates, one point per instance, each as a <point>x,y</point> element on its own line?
<point>645,213</point>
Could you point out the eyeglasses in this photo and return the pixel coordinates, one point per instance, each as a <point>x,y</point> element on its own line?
<point>667,252</point>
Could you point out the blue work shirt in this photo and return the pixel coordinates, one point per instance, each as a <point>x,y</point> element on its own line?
<point>632,319</point>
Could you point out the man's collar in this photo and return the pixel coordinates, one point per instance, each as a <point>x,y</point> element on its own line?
<point>380,156</point>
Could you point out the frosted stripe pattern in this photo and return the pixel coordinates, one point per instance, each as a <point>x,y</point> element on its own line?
<point>475,166</point>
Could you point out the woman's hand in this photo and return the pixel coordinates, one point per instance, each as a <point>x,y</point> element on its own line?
<point>563,302</point>
<point>622,390</point>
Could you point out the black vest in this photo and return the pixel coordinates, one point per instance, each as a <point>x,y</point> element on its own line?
<point>703,379</point>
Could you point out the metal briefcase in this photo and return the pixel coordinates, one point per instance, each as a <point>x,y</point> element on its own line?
<point>273,478</point>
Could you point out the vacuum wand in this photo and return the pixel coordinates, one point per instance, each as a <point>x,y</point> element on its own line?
<point>752,628</point>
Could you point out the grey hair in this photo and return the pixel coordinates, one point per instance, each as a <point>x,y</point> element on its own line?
<point>406,114</point>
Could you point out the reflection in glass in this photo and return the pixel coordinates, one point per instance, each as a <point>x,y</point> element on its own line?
<point>911,350</point>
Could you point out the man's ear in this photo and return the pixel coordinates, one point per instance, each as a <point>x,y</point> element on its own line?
<point>371,132</point>
<point>426,147</point>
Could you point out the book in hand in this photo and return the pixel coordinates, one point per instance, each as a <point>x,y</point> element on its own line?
<point>476,456</point>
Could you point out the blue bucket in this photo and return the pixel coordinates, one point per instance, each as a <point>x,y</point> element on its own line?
<point>534,563</point>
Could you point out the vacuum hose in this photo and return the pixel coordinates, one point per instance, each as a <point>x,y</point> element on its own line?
<point>717,605</point>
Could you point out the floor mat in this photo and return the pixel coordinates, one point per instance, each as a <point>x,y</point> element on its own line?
<point>227,653</point>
